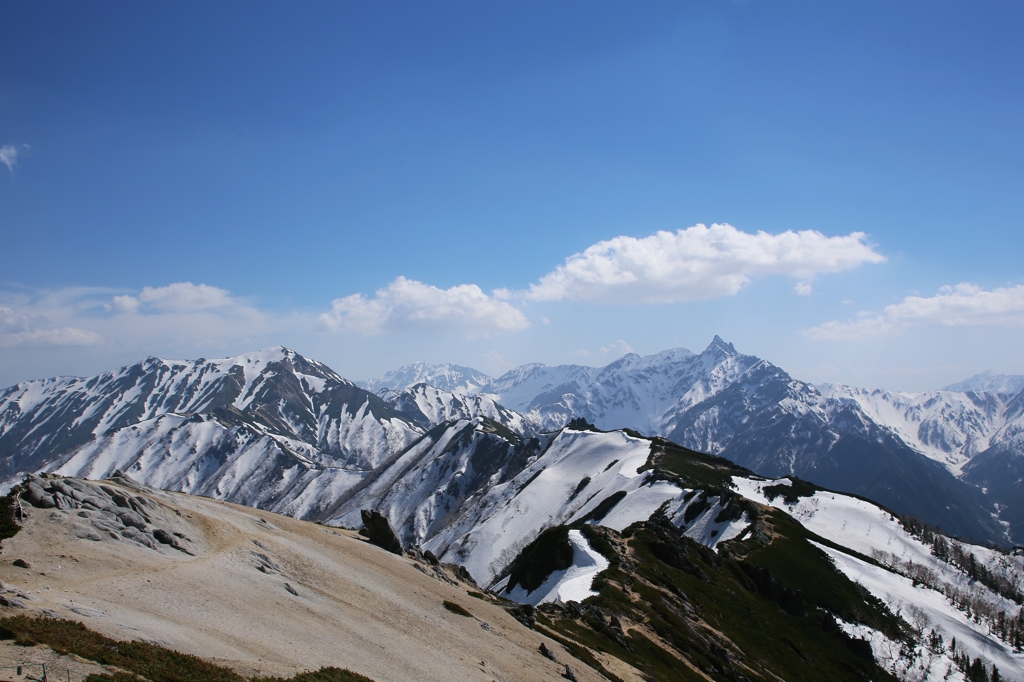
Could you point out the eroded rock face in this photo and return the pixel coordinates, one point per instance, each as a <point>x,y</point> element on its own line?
<point>379,532</point>
<point>94,511</point>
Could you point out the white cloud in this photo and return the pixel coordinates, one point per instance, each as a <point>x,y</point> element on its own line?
<point>954,306</point>
<point>618,349</point>
<point>179,297</point>
<point>185,297</point>
<point>125,304</point>
<point>9,156</point>
<point>17,329</point>
<point>408,305</point>
<point>696,263</point>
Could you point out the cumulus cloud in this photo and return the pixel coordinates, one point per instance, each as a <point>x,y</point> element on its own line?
<point>696,263</point>
<point>17,329</point>
<point>954,306</point>
<point>177,297</point>
<point>408,305</point>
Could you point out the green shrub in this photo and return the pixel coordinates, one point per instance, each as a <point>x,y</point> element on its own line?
<point>139,659</point>
<point>455,608</point>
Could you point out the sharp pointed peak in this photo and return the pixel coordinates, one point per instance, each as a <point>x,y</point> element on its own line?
<point>721,346</point>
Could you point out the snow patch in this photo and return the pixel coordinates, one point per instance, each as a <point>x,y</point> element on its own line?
<point>571,584</point>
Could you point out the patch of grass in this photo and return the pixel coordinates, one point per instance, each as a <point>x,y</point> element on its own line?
<point>153,662</point>
<point>456,609</point>
<point>580,653</point>
<point>321,675</point>
<point>477,595</point>
<point>140,660</point>
<point>696,469</point>
<point>584,482</point>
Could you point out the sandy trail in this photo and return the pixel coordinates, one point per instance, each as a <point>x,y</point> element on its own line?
<point>354,605</point>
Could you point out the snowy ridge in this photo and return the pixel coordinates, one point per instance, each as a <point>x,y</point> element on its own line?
<point>633,392</point>
<point>447,377</point>
<point>429,406</point>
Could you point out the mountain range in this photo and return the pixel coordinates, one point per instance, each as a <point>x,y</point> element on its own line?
<point>274,429</point>
<point>680,480</point>
<point>954,457</point>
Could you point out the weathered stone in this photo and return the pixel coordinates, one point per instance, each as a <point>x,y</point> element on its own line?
<point>524,613</point>
<point>379,531</point>
<point>37,497</point>
<point>21,563</point>
<point>547,653</point>
<point>93,502</point>
<point>85,533</point>
<point>132,518</point>
<point>107,522</point>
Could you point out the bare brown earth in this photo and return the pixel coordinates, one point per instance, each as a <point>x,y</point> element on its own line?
<point>356,606</point>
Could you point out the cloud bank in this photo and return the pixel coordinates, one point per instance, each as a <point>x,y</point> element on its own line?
<point>696,263</point>
<point>181,313</point>
<point>954,306</point>
<point>17,329</point>
<point>408,305</point>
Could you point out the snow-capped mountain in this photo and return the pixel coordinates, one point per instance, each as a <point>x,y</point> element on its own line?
<point>986,382</point>
<point>632,392</point>
<point>429,406</point>
<point>949,426</point>
<point>255,429</point>
<point>261,428</point>
<point>746,409</point>
<point>446,377</point>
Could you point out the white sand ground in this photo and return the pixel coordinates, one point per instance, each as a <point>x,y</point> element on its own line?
<point>356,607</point>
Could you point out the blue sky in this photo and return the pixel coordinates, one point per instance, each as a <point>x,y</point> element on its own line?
<point>498,183</point>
